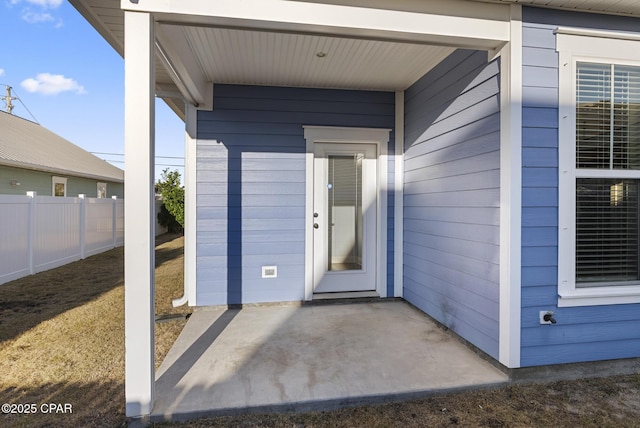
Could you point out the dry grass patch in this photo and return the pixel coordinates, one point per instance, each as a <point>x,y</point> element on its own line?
<point>62,337</point>
<point>610,402</point>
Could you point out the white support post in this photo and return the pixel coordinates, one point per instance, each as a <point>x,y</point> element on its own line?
<point>32,230</point>
<point>190,141</point>
<point>511,193</point>
<point>190,204</point>
<point>398,213</point>
<point>83,223</point>
<point>114,220</point>
<point>139,82</point>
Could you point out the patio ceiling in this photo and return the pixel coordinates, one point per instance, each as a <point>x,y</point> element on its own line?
<point>193,51</point>
<point>285,59</point>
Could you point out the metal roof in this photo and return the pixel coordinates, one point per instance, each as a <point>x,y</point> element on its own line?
<point>25,144</point>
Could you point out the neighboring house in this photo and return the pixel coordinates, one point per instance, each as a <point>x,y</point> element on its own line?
<point>479,159</point>
<point>32,158</point>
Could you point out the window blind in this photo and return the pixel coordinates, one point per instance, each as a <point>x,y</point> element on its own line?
<point>626,117</point>
<point>593,115</point>
<point>606,230</point>
<point>607,116</point>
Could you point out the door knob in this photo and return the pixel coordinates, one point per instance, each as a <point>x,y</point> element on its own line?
<point>315,225</point>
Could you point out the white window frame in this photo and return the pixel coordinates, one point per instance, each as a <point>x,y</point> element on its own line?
<point>100,185</point>
<point>58,180</point>
<point>578,45</point>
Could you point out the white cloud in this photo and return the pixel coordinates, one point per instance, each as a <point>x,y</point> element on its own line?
<point>1,71</point>
<point>37,11</point>
<point>47,4</point>
<point>51,84</point>
<point>35,17</point>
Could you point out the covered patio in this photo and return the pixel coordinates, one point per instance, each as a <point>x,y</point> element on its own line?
<point>294,358</point>
<point>187,53</point>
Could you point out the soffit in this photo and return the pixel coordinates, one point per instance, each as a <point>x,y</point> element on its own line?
<point>282,59</point>
<point>258,57</point>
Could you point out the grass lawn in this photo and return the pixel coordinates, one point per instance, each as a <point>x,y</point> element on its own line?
<point>62,337</point>
<point>62,342</point>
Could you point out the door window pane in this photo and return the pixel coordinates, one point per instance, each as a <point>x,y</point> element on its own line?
<point>345,212</point>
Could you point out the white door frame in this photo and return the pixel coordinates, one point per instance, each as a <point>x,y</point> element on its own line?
<point>333,134</point>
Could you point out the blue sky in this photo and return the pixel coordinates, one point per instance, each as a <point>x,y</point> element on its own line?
<point>71,80</point>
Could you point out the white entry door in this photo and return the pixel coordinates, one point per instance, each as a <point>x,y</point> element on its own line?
<point>344,217</point>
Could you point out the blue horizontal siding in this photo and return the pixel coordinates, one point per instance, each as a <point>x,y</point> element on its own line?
<point>250,174</point>
<point>452,196</point>
<point>581,333</point>
<point>581,352</point>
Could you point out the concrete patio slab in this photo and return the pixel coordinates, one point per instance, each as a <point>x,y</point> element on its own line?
<point>311,357</point>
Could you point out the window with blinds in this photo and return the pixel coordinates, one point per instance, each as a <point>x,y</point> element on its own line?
<point>607,116</point>
<point>606,230</point>
<point>607,137</point>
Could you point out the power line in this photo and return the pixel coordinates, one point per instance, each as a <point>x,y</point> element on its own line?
<point>9,98</point>
<point>158,164</point>
<point>122,154</point>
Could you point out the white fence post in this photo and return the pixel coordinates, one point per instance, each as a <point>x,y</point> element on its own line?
<point>83,223</point>
<point>32,231</point>
<point>53,231</point>
<point>114,223</point>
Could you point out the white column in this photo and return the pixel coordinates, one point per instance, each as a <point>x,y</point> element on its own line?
<point>511,192</point>
<point>139,77</point>
<point>398,214</point>
<point>190,142</point>
<point>190,204</point>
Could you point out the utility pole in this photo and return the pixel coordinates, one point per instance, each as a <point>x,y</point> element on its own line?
<point>8,98</point>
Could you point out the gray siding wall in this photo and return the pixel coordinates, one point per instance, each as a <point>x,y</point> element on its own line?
<point>251,185</point>
<point>451,196</point>
<point>583,333</point>
<point>77,186</point>
<point>37,181</point>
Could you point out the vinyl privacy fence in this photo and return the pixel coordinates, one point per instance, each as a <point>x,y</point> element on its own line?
<point>43,232</point>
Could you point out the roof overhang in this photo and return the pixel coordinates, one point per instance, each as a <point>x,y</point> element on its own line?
<point>59,171</point>
<point>344,44</point>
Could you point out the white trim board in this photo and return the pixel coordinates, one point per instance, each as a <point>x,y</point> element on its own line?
<point>511,191</point>
<point>446,22</point>
<point>398,214</point>
<point>190,205</point>
<point>334,134</point>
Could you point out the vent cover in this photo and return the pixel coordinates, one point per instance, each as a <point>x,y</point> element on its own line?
<point>269,271</point>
